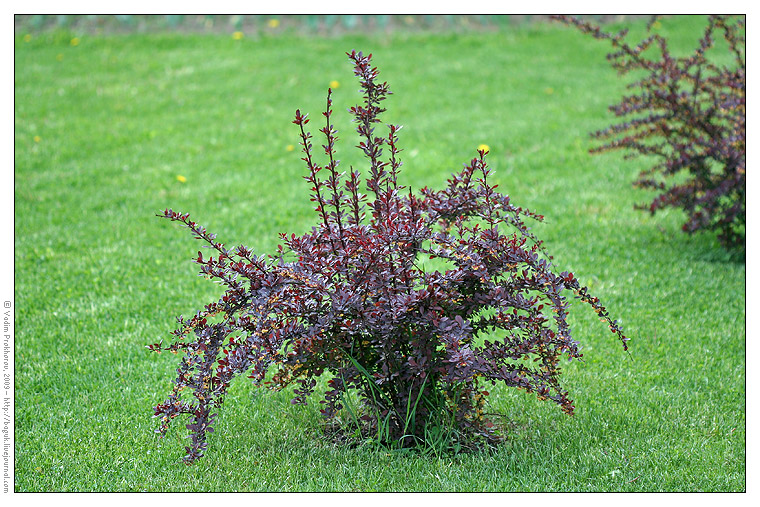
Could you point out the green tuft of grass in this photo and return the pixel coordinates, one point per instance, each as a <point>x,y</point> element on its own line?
<point>103,130</point>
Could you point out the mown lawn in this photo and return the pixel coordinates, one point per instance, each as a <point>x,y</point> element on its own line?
<point>105,128</point>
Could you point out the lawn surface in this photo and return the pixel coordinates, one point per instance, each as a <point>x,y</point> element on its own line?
<point>105,130</point>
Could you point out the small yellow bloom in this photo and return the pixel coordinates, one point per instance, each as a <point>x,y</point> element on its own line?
<point>334,84</point>
<point>75,41</point>
<point>484,147</point>
<point>59,57</point>
<point>37,139</point>
<point>548,90</point>
<point>181,178</point>
<point>27,37</point>
<point>273,23</point>
<point>290,147</point>
<point>237,35</point>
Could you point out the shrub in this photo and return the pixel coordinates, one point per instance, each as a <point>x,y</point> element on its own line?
<point>352,300</point>
<point>688,114</point>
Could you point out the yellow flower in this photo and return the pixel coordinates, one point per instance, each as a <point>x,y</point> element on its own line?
<point>484,147</point>
<point>273,23</point>
<point>548,90</point>
<point>59,57</point>
<point>237,35</point>
<point>334,84</point>
<point>290,147</point>
<point>181,178</point>
<point>27,37</point>
<point>37,139</point>
<point>75,41</point>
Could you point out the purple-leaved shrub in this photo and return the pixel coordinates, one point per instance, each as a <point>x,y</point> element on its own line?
<point>351,300</point>
<point>689,115</point>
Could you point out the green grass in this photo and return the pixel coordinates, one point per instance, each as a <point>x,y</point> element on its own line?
<point>103,129</point>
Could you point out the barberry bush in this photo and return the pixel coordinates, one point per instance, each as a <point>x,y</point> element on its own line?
<point>688,115</point>
<point>405,349</point>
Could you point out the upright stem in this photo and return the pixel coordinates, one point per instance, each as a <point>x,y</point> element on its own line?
<point>302,120</point>
<point>333,180</point>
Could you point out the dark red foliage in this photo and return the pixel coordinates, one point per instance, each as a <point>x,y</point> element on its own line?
<point>688,113</point>
<point>352,299</point>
